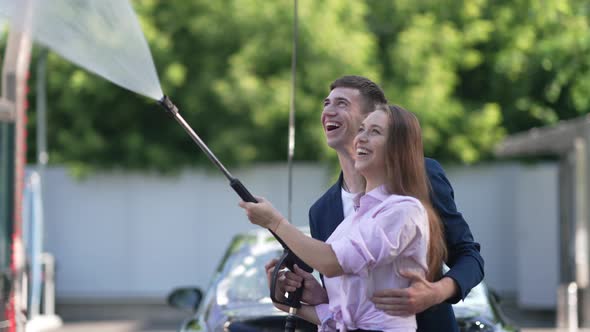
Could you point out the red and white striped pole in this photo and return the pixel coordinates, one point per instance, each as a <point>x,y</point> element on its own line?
<point>14,97</point>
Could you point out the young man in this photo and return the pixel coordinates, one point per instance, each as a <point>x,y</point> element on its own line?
<point>351,98</point>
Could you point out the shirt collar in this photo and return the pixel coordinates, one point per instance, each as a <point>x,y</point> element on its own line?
<point>375,196</point>
<point>380,193</point>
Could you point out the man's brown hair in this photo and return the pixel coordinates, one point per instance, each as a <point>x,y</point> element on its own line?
<point>372,95</point>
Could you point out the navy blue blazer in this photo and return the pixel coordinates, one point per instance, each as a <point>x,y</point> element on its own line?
<point>465,262</point>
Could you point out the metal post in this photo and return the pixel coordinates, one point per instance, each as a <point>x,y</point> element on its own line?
<point>580,214</point>
<point>584,220</point>
<point>566,243</point>
<point>572,307</point>
<point>13,156</point>
<point>574,290</point>
<point>36,183</point>
<point>581,228</point>
<point>6,188</point>
<point>42,155</point>
<point>48,262</point>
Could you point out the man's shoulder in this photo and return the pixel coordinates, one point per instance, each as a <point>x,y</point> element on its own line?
<point>432,165</point>
<point>326,197</point>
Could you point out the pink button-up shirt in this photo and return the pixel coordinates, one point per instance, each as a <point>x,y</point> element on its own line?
<point>386,234</point>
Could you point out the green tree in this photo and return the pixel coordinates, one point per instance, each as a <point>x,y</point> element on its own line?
<point>473,71</point>
<point>226,64</point>
<point>425,46</point>
<point>476,70</point>
<point>541,74</point>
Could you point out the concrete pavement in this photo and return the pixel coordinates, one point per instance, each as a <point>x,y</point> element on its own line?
<point>128,317</point>
<point>158,317</point>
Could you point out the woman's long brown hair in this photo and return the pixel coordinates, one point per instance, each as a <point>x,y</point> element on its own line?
<point>406,175</point>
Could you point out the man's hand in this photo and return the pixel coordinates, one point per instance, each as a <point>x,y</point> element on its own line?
<point>313,292</point>
<point>280,288</point>
<point>420,296</point>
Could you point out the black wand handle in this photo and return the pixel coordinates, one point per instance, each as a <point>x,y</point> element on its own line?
<point>246,196</point>
<point>288,259</point>
<point>241,190</point>
<point>290,323</point>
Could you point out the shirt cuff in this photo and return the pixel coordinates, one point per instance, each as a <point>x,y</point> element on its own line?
<point>325,316</point>
<point>460,295</point>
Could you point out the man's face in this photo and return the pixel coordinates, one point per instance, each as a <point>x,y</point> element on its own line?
<point>342,117</point>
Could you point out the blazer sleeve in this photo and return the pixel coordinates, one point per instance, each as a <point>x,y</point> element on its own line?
<point>464,259</point>
<point>313,227</point>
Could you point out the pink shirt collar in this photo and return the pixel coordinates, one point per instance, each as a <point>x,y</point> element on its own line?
<point>368,200</point>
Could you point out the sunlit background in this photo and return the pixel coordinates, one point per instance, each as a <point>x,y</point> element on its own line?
<point>132,208</point>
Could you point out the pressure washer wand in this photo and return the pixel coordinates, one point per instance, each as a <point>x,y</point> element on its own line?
<point>239,188</point>
<point>289,259</point>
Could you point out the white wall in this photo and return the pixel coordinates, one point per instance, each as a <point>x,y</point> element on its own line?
<point>130,235</point>
<point>485,196</point>
<point>512,210</point>
<point>127,235</point>
<point>537,228</point>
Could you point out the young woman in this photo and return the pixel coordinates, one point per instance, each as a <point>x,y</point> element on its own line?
<point>394,228</point>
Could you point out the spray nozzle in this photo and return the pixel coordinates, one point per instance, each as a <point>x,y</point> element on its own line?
<point>167,104</point>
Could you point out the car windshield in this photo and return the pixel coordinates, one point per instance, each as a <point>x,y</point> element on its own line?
<point>476,304</point>
<point>243,275</point>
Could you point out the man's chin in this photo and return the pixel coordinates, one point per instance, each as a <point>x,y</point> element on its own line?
<point>333,143</point>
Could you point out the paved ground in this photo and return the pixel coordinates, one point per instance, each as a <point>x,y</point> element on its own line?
<point>527,318</point>
<point>161,318</point>
<point>119,318</point>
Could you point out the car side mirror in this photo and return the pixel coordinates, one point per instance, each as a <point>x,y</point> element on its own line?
<point>188,298</point>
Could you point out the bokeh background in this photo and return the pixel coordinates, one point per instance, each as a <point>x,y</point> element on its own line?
<point>133,208</point>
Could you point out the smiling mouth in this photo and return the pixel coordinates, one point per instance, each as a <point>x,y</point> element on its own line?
<point>332,126</point>
<point>362,152</point>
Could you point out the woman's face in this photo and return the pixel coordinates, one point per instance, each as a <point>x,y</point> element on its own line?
<point>370,146</point>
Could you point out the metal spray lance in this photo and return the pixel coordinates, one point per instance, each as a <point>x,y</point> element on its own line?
<point>288,259</point>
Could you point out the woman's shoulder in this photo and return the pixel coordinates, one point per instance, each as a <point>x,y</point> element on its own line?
<point>402,204</point>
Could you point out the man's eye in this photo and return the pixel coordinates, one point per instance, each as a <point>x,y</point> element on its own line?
<point>361,129</point>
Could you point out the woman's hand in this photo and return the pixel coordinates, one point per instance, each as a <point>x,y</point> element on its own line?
<point>262,213</point>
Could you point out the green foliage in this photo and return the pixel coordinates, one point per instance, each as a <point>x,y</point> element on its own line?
<point>473,71</point>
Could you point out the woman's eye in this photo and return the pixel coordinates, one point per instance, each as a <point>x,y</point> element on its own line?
<point>361,129</point>
<point>375,131</point>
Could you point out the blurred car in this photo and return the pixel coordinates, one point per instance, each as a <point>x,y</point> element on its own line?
<point>238,296</point>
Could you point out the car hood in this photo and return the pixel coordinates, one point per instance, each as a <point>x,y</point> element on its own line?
<point>250,310</point>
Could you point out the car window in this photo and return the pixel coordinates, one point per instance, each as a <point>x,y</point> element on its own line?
<point>243,277</point>
<point>476,304</point>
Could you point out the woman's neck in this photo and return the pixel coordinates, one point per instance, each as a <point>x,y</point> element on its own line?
<point>370,186</point>
<point>374,181</point>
